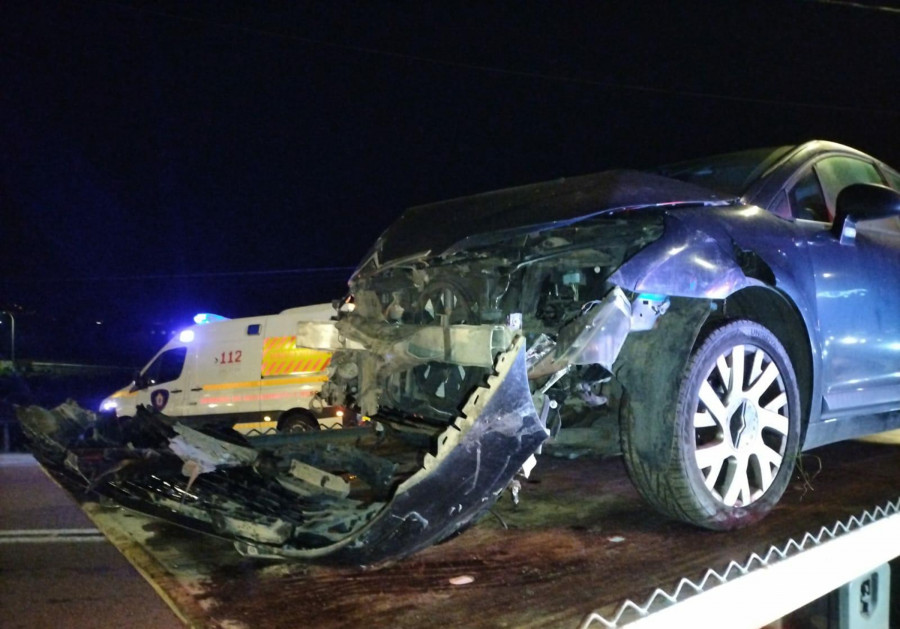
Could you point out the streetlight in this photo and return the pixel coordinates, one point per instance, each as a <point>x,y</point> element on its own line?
<point>12,336</point>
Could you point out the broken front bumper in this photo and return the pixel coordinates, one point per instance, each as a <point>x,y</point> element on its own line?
<point>348,504</point>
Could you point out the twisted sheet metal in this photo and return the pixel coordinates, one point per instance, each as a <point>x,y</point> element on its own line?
<point>629,611</point>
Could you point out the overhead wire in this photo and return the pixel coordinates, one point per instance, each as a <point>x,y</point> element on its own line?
<point>185,276</point>
<point>859,5</point>
<point>543,76</point>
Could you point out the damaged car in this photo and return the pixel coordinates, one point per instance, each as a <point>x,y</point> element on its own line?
<point>722,314</point>
<point>728,312</point>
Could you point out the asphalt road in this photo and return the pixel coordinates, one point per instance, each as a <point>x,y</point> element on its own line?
<point>56,569</point>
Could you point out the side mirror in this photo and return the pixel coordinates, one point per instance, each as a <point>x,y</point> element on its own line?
<point>862,202</point>
<point>140,382</point>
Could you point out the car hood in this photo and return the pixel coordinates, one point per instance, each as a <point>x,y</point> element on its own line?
<point>443,227</point>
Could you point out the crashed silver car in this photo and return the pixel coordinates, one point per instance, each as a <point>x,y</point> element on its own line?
<point>724,314</point>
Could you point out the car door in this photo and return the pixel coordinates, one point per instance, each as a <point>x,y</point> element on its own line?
<point>857,290</point>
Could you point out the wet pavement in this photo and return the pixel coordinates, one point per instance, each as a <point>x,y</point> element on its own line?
<point>57,569</point>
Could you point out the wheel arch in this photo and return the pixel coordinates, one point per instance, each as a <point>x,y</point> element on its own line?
<point>648,369</point>
<point>774,310</point>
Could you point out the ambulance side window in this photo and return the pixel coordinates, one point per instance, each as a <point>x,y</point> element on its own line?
<point>166,368</point>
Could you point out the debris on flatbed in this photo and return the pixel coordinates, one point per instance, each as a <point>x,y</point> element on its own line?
<point>359,496</point>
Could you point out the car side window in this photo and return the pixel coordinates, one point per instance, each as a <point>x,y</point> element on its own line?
<point>813,196</point>
<point>780,206</point>
<point>836,173</point>
<point>806,199</point>
<point>167,366</point>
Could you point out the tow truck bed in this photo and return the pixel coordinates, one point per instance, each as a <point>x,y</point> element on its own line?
<point>580,549</point>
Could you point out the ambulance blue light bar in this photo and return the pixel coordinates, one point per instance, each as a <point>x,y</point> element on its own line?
<point>207,317</point>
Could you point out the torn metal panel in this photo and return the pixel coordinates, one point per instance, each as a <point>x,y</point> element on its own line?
<point>375,499</point>
<point>323,335</point>
<point>595,337</point>
<point>318,480</point>
<point>409,345</point>
<point>460,344</point>
<point>476,459</point>
<point>208,453</point>
<point>275,531</point>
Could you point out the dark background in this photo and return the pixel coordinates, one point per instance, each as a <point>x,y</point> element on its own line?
<point>163,158</point>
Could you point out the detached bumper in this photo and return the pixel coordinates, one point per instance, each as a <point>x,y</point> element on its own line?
<point>299,497</point>
<point>476,459</point>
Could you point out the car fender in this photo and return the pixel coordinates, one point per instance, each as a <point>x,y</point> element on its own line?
<point>686,261</point>
<point>704,255</point>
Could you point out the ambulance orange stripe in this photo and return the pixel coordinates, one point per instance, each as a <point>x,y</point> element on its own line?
<point>264,383</point>
<point>227,399</point>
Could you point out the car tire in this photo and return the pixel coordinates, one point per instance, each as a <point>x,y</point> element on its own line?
<point>298,421</point>
<point>735,433</point>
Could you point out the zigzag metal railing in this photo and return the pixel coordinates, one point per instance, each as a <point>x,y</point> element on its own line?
<point>630,611</point>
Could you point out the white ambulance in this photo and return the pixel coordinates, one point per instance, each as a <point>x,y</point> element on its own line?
<point>248,372</point>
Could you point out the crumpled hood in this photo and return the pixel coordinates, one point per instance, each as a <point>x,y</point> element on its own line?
<point>439,226</point>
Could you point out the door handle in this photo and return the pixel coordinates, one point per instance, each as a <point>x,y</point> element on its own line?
<point>197,389</point>
<point>175,391</point>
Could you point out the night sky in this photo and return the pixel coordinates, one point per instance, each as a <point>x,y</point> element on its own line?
<point>159,158</point>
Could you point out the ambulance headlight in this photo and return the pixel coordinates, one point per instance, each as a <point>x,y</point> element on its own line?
<point>109,406</point>
<point>186,336</point>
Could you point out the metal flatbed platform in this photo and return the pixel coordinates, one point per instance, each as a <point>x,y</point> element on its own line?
<point>581,549</point>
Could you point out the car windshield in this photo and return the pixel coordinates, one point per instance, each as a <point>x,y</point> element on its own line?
<point>731,173</point>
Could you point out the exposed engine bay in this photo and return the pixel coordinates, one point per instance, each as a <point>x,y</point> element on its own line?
<point>421,333</point>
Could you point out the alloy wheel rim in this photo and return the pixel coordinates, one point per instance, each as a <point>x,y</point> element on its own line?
<point>741,425</point>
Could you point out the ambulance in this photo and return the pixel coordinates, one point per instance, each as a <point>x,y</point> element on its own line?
<point>247,372</point>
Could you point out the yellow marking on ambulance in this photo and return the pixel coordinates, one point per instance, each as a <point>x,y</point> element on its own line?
<point>301,380</point>
<point>281,356</point>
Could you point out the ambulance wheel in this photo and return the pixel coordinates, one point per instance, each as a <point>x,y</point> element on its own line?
<point>297,421</point>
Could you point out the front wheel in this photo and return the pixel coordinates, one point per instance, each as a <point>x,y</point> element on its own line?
<point>736,432</point>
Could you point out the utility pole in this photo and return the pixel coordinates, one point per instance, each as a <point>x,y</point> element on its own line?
<point>12,336</point>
